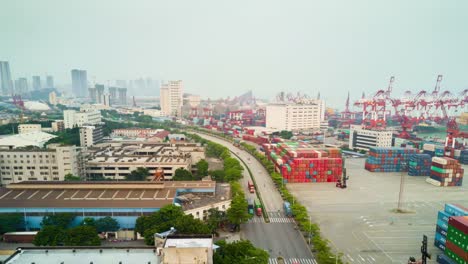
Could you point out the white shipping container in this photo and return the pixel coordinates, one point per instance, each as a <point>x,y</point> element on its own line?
<point>279,161</point>
<point>439,160</point>
<point>430,147</point>
<point>433,182</point>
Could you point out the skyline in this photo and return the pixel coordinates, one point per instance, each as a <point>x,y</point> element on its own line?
<point>222,50</point>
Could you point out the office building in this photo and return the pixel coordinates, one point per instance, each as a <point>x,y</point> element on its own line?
<point>36,83</point>
<point>53,98</point>
<point>27,128</point>
<point>21,86</point>
<point>192,100</point>
<point>365,139</point>
<point>92,95</point>
<point>116,160</point>
<point>122,96</point>
<point>79,83</point>
<point>91,134</point>
<point>51,164</point>
<point>292,116</point>
<point>106,100</point>
<point>6,82</point>
<point>73,118</point>
<point>171,98</point>
<point>113,95</point>
<point>49,81</point>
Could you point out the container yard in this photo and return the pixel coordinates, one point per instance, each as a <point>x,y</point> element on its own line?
<point>446,172</point>
<point>388,159</point>
<point>451,235</point>
<point>419,165</point>
<point>300,162</point>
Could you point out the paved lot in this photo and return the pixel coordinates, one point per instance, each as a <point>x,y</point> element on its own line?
<point>359,220</point>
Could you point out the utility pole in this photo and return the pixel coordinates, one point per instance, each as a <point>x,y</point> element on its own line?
<point>402,184</point>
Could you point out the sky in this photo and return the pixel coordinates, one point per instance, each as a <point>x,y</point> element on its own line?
<point>223,48</point>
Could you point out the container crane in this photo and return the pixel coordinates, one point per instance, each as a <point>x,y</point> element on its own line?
<point>377,106</point>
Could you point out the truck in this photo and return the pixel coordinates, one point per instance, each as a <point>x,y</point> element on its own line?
<point>19,237</point>
<point>251,187</point>
<point>287,209</point>
<point>258,208</point>
<point>250,206</point>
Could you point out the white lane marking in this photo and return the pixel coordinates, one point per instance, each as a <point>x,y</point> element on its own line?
<point>349,257</point>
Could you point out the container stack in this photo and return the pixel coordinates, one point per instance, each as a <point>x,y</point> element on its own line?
<point>443,224</point>
<point>419,165</point>
<point>388,159</point>
<point>464,156</point>
<point>300,162</point>
<point>258,140</point>
<point>446,172</point>
<point>429,149</point>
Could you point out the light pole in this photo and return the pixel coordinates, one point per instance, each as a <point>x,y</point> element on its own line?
<point>310,228</point>
<point>336,259</point>
<point>402,184</point>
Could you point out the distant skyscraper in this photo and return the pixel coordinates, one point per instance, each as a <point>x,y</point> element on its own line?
<point>122,96</point>
<point>92,95</point>
<point>79,83</point>
<point>112,95</point>
<point>121,83</point>
<point>21,86</point>
<point>6,83</point>
<point>49,81</point>
<point>171,98</point>
<point>36,82</point>
<point>100,92</point>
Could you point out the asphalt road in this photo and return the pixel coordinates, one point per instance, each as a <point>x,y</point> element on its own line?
<point>278,237</point>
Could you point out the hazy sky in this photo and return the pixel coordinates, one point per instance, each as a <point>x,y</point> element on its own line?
<point>222,48</point>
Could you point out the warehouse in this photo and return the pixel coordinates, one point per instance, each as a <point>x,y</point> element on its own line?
<point>124,201</point>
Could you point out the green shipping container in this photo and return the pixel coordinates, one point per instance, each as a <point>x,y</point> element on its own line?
<point>439,170</point>
<point>457,237</point>
<point>454,256</point>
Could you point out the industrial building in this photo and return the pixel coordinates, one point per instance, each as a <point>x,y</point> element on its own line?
<point>116,160</point>
<point>50,164</point>
<point>361,138</point>
<point>294,116</point>
<point>124,201</point>
<point>91,134</point>
<point>73,118</point>
<point>36,138</point>
<point>135,132</point>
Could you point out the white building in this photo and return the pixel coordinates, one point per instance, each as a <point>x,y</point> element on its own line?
<point>91,134</point>
<point>153,112</point>
<point>35,138</point>
<point>192,100</point>
<point>73,118</point>
<point>292,116</point>
<point>53,98</point>
<point>38,165</point>
<point>364,139</point>
<point>171,98</point>
<point>26,128</point>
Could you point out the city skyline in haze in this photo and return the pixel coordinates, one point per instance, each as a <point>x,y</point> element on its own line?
<point>222,49</point>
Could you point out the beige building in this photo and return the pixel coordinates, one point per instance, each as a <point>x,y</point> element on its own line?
<point>58,125</point>
<point>73,118</point>
<point>199,204</point>
<point>26,128</point>
<point>51,164</point>
<point>171,98</point>
<point>116,160</point>
<point>292,116</point>
<point>91,134</point>
<point>364,139</point>
<point>53,98</point>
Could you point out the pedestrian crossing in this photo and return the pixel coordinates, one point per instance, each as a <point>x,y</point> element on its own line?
<point>279,217</point>
<point>293,261</point>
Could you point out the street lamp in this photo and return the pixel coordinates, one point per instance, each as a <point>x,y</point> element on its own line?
<point>336,258</point>
<point>402,183</point>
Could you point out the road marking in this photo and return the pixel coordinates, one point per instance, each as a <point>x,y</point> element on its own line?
<point>349,257</point>
<point>361,258</point>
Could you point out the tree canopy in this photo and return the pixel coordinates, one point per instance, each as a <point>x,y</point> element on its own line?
<point>62,220</point>
<point>139,174</point>
<point>107,224</point>
<point>71,177</point>
<point>242,252</point>
<point>50,236</point>
<point>182,174</point>
<point>82,236</point>
<point>11,222</point>
<point>202,168</point>
<point>70,136</point>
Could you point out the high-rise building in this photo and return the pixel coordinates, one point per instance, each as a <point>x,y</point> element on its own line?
<point>112,95</point>
<point>5,78</point>
<point>293,116</point>
<point>79,83</point>
<point>171,98</point>
<point>72,118</point>
<point>105,100</point>
<point>21,86</point>
<point>122,96</point>
<point>92,95</point>
<point>91,134</point>
<point>36,83</point>
<point>121,83</point>
<point>49,81</point>
<point>100,92</point>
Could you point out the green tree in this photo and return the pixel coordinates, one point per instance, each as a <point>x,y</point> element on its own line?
<point>182,174</point>
<point>215,219</point>
<point>82,236</point>
<point>217,175</point>
<point>11,222</point>
<point>139,174</point>
<point>202,168</point>
<point>107,224</point>
<point>71,177</point>
<point>237,213</point>
<point>186,224</point>
<point>242,252</point>
<point>232,174</point>
<point>62,220</point>
<point>50,236</point>
<point>286,134</point>
<point>69,136</point>
<point>88,221</point>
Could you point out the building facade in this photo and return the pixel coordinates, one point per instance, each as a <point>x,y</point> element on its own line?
<point>58,125</point>
<point>26,128</point>
<point>49,81</point>
<point>171,98</point>
<point>21,86</point>
<point>6,83</point>
<point>91,134</point>
<point>36,83</point>
<point>292,116</point>
<point>38,165</point>
<point>73,118</point>
<point>53,98</point>
<point>364,139</point>
<point>79,82</point>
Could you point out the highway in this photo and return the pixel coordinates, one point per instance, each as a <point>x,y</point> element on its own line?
<point>279,237</point>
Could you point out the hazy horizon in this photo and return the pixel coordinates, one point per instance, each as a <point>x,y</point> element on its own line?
<point>224,49</point>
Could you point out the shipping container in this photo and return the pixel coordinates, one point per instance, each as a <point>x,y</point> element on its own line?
<point>446,171</point>
<point>19,237</point>
<point>419,165</point>
<point>388,159</point>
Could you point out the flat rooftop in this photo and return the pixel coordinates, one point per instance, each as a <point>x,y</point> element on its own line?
<point>190,201</point>
<point>97,194</point>
<point>84,255</point>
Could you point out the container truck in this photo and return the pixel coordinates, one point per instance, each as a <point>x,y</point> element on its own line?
<point>251,187</point>
<point>258,208</point>
<point>19,237</point>
<point>250,206</point>
<point>287,209</point>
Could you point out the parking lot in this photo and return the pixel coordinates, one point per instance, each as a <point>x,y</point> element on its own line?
<point>360,220</point>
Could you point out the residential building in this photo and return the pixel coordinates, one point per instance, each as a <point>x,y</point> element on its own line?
<point>99,93</point>
<point>36,83</point>
<point>171,98</point>
<point>73,118</point>
<point>27,128</point>
<point>293,116</point>
<point>113,95</point>
<point>21,86</point>
<point>115,160</point>
<point>192,100</point>
<point>153,112</point>
<point>35,138</point>
<point>91,134</point>
<point>92,95</point>
<point>361,138</point>
<point>6,83</point>
<point>58,125</point>
<point>51,164</point>
<point>49,82</point>
<point>79,82</point>
<point>53,98</point>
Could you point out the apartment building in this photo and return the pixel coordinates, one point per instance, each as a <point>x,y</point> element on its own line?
<point>171,98</point>
<point>293,116</point>
<point>73,118</point>
<point>51,164</point>
<point>91,134</point>
<point>364,139</point>
<point>116,160</point>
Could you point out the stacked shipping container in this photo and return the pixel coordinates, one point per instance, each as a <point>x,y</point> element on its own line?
<point>464,156</point>
<point>443,219</point>
<point>257,140</point>
<point>419,165</point>
<point>446,172</point>
<point>388,159</point>
<point>300,162</point>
